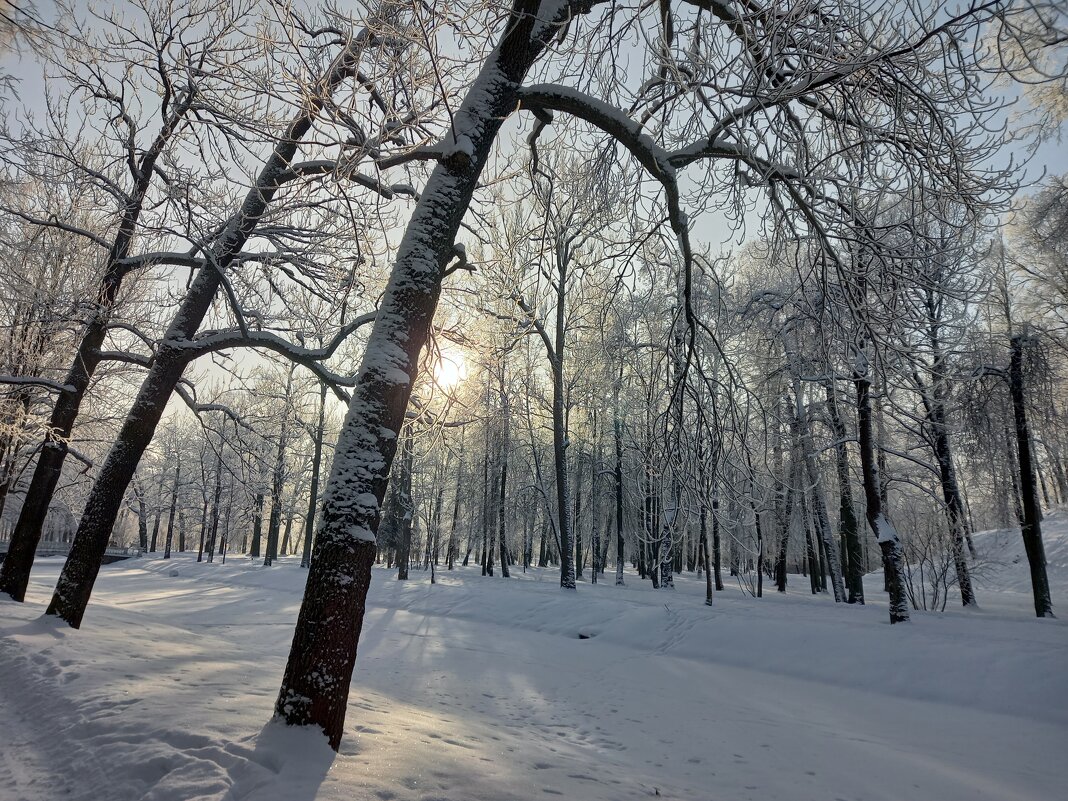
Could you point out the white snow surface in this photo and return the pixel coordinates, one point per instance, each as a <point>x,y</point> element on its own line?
<point>483,689</point>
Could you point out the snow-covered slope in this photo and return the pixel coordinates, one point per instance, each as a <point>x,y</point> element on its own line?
<point>486,688</point>
<point>1003,562</point>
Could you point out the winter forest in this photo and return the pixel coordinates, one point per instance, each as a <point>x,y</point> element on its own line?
<point>494,400</point>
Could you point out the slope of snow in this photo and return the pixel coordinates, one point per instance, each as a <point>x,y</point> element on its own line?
<point>495,689</point>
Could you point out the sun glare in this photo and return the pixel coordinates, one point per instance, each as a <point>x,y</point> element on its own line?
<point>449,369</point>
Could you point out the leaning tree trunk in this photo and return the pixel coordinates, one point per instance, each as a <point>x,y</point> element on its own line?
<point>101,508</point>
<point>15,569</point>
<point>881,527</point>
<point>1032,515</point>
<point>315,685</point>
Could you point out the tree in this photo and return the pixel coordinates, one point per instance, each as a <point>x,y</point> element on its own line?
<point>793,72</point>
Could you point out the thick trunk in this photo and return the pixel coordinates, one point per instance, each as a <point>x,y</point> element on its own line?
<point>315,685</point>
<point>1032,513</point>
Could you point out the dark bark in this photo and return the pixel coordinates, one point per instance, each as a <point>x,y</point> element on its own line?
<point>618,437</point>
<point>1031,530</point>
<point>257,526</point>
<point>404,508</point>
<point>215,501</point>
<point>79,573</point>
<point>502,517</point>
<point>174,506</point>
<point>315,685</point>
<point>15,568</point>
<point>278,476</point>
<point>848,525</point>
<point>885,533</point>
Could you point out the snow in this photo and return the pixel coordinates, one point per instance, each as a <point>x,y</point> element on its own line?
<point>494,689</point>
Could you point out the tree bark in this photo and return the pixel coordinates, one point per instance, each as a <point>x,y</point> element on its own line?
<point>15,568</point>
<point>1031,530</point>
<point>174,505</point>
<point>881,527</point>
<point>79,573</point>
<point>315,685</point>
<point>848,527</point>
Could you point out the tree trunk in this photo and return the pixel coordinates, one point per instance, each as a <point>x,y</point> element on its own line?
<point>174,506</point>
<point>142,516</point>
<point>823,524</point>
<point>257,526</point>
<point>881,527</point>
<point>216,500</point>
<point>79,573</point>
<point>1032,513</point>
<point>848,526</point>
<point>501,500</point>
<point>15,568</point>
<point>315,685</point>
<point>405,507</point>
<point>278,477</point>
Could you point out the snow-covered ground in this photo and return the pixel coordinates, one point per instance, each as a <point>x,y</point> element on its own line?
<point>501,689</point>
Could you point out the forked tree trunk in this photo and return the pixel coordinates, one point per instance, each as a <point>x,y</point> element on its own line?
<point>79,573</point>
<point>315,685</point>
<point>823,524</point>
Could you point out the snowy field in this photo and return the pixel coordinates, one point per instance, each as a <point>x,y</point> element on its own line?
<point>493,689</point>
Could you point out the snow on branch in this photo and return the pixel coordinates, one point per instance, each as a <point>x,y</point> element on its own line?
<point>34,381</point>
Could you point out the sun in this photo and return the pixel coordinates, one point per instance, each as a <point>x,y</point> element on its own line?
<point>450,369</point>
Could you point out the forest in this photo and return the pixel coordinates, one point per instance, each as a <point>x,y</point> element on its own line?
<point>735,298</point>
